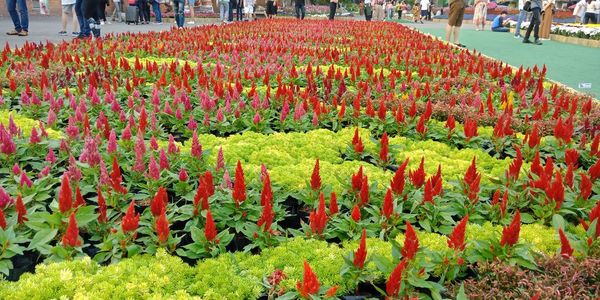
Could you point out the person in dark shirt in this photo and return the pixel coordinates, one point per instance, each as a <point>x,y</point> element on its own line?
<point>300,10</point>
<point>499,22</point>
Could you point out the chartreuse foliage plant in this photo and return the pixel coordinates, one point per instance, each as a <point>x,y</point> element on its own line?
<point>239,275</point>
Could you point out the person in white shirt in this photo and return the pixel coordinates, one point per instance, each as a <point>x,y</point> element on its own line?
<point>579,11</point>
<point>590,12</point>
<point>424,9</point>
<point>68,10</point>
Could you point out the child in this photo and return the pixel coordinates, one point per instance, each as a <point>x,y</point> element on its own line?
<point>68,9</point>
<point>249,9</point>
<point>416,11</point>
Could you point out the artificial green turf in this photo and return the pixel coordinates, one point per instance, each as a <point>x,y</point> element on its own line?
<point>567,63</point>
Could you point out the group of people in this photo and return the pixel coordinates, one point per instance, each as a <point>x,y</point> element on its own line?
<point>587,12</point>
<point>381,10</point>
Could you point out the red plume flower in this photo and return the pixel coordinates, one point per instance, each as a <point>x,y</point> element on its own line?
<point>361,253</point>
<point>333,206</point>
<point>417,177</point>
<point>565,245</point>
<point>357,179</point>
<point>556,191</point>
<point>315,179</point>
<point>515,166</point>
<point>572,157</point>
<point>364,192</point>
<point>131,219</point>
<point>162,227</point>
<point>318,219</point>
<point>388,204</point>
<point>394,282</point>
<point>65,198</point>
<point>398,181</point>
<point>470,128</point>
<point>71,237</point>
<point>355,215</point>
<point>533,139</point>
<point>456,240</point>
<point>411,243</point>
<point>563,131</point>
<point>384,150</point>
<point>210,229</point>
<point>239,185</point>
<point>266,218</point>
<point>102,218</point>
<point>421,128</point>
<point>21,211</point>
<point>310,284</point>
<point>594,170</point>
<point>585,187</point>
<point>266,195</point>
<point>159,203</point>
<point>510,234</point>
<point>2,219</point>
<point>78,198</point>
<point>115,177</point>
<point>428,193</point>
<point>450,124</point>
<point>359,147</point>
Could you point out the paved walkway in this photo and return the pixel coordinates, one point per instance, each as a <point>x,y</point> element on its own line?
<point>42,29</point>
<point>567,63</point>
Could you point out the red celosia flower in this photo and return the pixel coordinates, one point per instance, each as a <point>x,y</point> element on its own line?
<point>565,245</point>
<point>556,191</point>
<point>318,219</point>
<point>595,145</point>
<point>65,198</point>
<point>21,211</point>
<point>331,291</point>
<point>210,229</point>
<point>115,177</point>
<point>159,202</point>
<point>333,205</point>
<point>310,284</point>
<point>450,124</point>
<point>359,147</point>
<point>515,166</point>
<point>101,207</point>
<point>361,253</point>
<point>266,218</point>
<point>356,137</point>
<point>394,282</point>
<point>162,227</point>
<point>471,173</point>
<point>2,219</point>
<point>239,185</point>
<point>585,187</point>
<point>594,170</point>
<point>510,234</point>
<point>209,183</point>
<point>398,181</point>
<point>456,240</point>
<point>131,219</point>
<point>78,197</point>
<point>563,131</point>
<point>533,139</point>
<point>504,203</point>
<point>384,149</point>
<point>315,179</point>
<point>266,195</point>
<point>71,237</point>
<point>388,204</point>
<point>572,157</point>
<point>355,215</point>
<point>470,128</point>
<point>421,128</point>
<point>357,179</point>
<point>411,243</point>
<point>364,192</point>
<point>417,177</point>
<point>428,193</point>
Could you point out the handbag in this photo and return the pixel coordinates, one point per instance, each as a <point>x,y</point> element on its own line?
<point>527,6</point>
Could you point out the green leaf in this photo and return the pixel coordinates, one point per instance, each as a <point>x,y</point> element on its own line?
<point>461,293</point>
<point>42,237</point>
<point>558,221</point>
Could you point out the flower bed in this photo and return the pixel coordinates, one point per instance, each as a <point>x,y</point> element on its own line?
<point>591,32</point>
<point>286,158</point>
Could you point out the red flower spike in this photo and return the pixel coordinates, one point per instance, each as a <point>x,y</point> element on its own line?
<point>411,243</point>
<point>421,128</point>
<point>384,150</point>
<point>162,227</point>
<point>115,177</point>
<point>515,166</point>
<point>417,177</point>
<point>318,219</point>
<point>456,240</point>
<point>565,245</point>
<point>71,237</point>
<point>239,185</point>
<point>594,170</point>
<point>2,219</point>
<point>315,178</point>
<point>21,211</point>
<point>388,204</point>
<point>359,147</point>
<point>78,197</point>
<point>355,215</point>
<point>556,191</point>
<point>572,157</point>
<point>510,234</point>
<point>131,219</point>
<point>159,202</point>
<point>585,187</point>
<point>364,192</point>
<point>331,291</point>
<point>357,179</point>
<point>428,193</point>
<point>266,217</point>
<point>266,195</point>
<point>210,229</point>
<point>470,128</point>
<point>398,181</point>
<point>102,218</point>
<point>361,253</point>
<point>394,282</point>
<point>333,205</point>
<point>310,284</point>
<point>65,198</point>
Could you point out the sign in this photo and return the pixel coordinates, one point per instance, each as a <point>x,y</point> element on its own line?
<point>585,85</point>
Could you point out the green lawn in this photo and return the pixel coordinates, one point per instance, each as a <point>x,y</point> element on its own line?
<point>566,63</point>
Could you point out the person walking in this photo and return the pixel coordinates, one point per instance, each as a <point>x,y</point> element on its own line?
<point>20,19</point>
<point>300,9</point>
<point>400,7</point>
<point>455,19</point>
<point>156,10</point>
<point>579,11</point>
<point>534,25</point>
<point>424,9</point>
<point>590,12</point>
<point>368,7</point>
<point>547,20</point>
<point>232,5</point>
<point>520,19</point>
<point>480,14</point>
<point>179,9</point>
<point>416,11</point>
<point>379,11</point>
<point>389,10</point>
<point>239,10</point>
<point>84,27</point>
<point>191,5</point>
<point>333,4</point>
<point>68,10</point>
<point>249,9</point>
<point>117,11</point>
<point>144,11</point>
<point>224,11</point>
<point>92,13</point>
